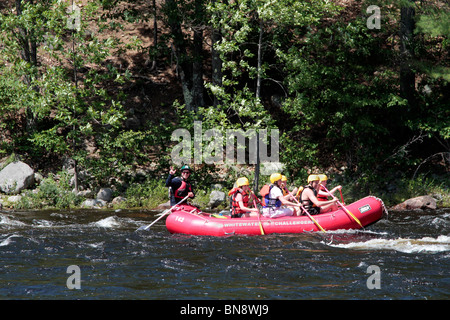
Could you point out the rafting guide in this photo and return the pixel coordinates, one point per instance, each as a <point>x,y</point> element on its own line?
<point>208,145</point>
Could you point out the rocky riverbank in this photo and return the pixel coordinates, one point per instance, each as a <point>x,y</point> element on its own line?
<point>22,187</point>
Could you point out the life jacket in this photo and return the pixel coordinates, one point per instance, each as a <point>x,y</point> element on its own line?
<point>263,192</point>
<point>271,202</point>
<point>236,211</point>
<point>308,204</point>
<point>182,191</point>
<point>299,193</point>
<point>322,196</point>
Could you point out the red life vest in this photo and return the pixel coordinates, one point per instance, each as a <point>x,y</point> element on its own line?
<point>182,191</point>
<point>236,210</point>
<point>322,196</point>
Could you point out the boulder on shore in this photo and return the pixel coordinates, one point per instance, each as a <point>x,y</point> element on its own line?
<point>418,203</point>
<point>216,198</point>
<point>15,177</point>
<point>164,206</point>
<point>93,203</point>
<point>105,194</point>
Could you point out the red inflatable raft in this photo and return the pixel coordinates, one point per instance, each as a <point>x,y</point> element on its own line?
<point>187,220</point>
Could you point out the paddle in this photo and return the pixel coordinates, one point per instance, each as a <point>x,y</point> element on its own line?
<point>162,215</point>
<point>343,207</point>
<point>307,213</point>
<point>259,219</point>
<point>342,198</point>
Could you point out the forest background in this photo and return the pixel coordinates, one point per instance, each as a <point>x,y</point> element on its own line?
<point>104,84</point>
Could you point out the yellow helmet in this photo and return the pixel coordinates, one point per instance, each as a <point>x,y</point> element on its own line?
<point>283,178</point>
<point>313,177</point>
<point>274,177</point>
<point>323,177</point>
<point>243,181</point>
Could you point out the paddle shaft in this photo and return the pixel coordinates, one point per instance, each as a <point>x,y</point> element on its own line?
<point>163,214</point>
<point>342,198</point>
<point>259,219</point>
<point>307,213</point>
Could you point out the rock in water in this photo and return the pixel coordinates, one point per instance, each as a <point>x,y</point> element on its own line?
<point>423,203</point>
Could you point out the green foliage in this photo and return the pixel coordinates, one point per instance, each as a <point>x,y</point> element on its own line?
<point>395,191</point>
<point>149,194</point>
<point>241,24</point>
<point>436,23</point>
<point>64,109</point>
<point>52,193</point>
<point>335,82</point>
<point>434,31</point>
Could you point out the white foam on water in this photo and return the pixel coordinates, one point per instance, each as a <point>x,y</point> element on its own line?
<point>356,231</point>
<point>8,240</point>
<point>109,222</point>
<point>96,245</point>
<point>423,245</point>
<point>42,223</point>
<point>4,220</point>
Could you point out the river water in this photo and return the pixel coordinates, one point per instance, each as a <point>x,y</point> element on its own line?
<point>99,255</point>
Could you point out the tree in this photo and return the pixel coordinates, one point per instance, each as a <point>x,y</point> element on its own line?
<point>27,39</point>
<point>71,108</point>
<point>407,74</point>
<point>189,54</point>
<point>433,31</point>
<point>249,29</point>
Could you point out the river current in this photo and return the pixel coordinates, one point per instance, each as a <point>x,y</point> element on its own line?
<point>88,254</point>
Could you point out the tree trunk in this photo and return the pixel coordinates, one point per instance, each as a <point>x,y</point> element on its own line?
<point>189,67</point>
<point>197,70</point>
<point>258,79</point>
<point>28,52</point>
<point>155,35</point>
<point>197,64</point>
<point>26,38</point>
<point>216,64</point>
<point>407,75</point>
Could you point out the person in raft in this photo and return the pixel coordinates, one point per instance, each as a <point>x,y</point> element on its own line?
<point>275,202</point>
<point>322,194</point>
<point>309,199</point>
<point>285,189</point>
<point>179,187</point>
<point>240,198</point>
